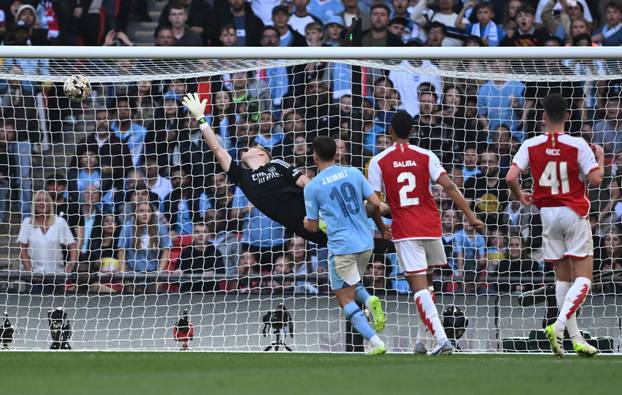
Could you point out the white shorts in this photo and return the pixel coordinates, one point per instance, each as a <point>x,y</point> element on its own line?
<point>565,234</point>
<point>416,255</point>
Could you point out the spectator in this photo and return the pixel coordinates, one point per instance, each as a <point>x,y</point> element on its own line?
<point>397,27</point>
<point>502,102</point>
<point>485,28</point>
<point>516,271</point>
<point>288,37</point>
<point>558,20</point>
<point>333,32</point>
<point>449,225</point>
<point>248,279</point>
<point>177,18</point>
<point>282,267</point>
<point>610,34</point>
<point>469,164</point>
<point>314,34</point>
<point>228,35</point>
<point>378,35</point>
<point>304,263</point>
<point>90,218</point>
<point>607,132</point>
<point>163,36</point>
<point>469,250</point>
<point>87,172</point>
<point>197,10</point>
<point>325,9</point>
<point>376,276</point>
<point>181,206</point>
<point>7,135</point>
<point>446,16</point>
<point>511,11</point>
<point>26,16</point>
<point>103,254</point>
<point>269,136</point>
<point>113,155</point>
<point>427,131</point>
<point>526,33</point>
<point>169,121</point>
<point>301,17</point>
<point>247,25</point>
<point>351,11</point>
<point>579,27</point>
<point>157,184</point>
<point>42,237</point>
<point>201,258</point>
<point>132,134</point>
<point>496,252</point>
<point>488,191</point>
<point>458,129</point>
<point>66,206</point>
<point>144,244</point>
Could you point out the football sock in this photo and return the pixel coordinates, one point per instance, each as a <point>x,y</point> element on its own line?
<point>573,300</point>
<point>561,288</point>
<point>429,315</point>
<point>358,320</point>
<point>361,295</point>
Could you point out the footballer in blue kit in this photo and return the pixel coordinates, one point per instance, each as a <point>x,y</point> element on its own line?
<point>337,195</point>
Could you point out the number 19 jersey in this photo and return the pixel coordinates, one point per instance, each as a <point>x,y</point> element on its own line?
<point>559,164</point>
<point>404,173</point>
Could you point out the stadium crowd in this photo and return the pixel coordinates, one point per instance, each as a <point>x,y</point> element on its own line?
<point>143,193</point>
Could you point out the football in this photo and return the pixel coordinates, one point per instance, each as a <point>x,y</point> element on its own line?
<point>77,87</point>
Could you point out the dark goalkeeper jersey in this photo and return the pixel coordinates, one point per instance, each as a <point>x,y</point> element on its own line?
<point>272,189</point>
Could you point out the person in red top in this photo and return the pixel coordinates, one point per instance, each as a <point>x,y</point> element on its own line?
<point>560,165</point>
<point>404,172</point>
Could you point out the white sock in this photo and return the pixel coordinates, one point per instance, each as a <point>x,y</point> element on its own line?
<point>375,341</point>
<point>561,289</point>
<point>429,315</point>
<point>573,300</point>
<point>421,329</point>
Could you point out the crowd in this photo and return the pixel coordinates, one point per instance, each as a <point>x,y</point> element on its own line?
<point>143,194</point>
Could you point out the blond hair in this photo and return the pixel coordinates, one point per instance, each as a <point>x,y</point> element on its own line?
<point>50,216</point>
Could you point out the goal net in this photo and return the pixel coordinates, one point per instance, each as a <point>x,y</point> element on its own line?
<point>115,210</point>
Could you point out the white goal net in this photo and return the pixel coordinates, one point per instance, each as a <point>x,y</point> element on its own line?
<point>115,210</point>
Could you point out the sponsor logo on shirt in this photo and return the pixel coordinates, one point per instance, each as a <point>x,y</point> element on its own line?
<point>263,176</point>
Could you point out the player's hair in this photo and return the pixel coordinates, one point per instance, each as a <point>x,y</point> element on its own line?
<point>325,148</point>
<point>262,148</point>
<point>555,106</point>
<point>402,124</point>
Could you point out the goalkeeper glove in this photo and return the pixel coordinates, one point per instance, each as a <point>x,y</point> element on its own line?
<point>195,106</point>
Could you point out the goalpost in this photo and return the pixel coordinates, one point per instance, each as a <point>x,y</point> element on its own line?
<point>473,107</point>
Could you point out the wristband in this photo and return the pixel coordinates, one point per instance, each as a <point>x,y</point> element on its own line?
<point>201,120</point>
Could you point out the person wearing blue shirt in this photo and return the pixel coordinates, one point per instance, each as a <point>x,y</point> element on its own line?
<point>469,247</point>
<point>337,193</point>
<point>132,134</point>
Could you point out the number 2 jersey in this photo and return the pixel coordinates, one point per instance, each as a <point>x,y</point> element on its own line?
<point>559,164</point>
<point>404,173</point>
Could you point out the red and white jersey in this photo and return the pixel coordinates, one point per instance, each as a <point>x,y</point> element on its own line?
<point>559,164</point>
<point>404,173</point>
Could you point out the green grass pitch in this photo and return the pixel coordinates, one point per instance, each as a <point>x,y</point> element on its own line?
<point>180,373</point>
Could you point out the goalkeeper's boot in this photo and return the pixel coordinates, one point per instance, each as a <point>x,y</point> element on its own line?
<point>443,348</point>
<point>557,342</point>
<point>420,348</point>
<point>377,314</point>
<point>377,350</point>
<point>583,349</point>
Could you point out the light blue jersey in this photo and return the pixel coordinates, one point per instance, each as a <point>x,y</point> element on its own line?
<point>337,195</point>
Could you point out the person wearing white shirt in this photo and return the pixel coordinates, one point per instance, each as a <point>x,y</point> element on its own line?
<point>407,83</point>
<point>43,237</point>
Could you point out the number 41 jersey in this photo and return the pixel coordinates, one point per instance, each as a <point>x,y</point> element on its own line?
<point>404,173</point>
<point>559,164</point>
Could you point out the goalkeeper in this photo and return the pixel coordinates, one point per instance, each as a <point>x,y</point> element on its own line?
<point>273,186</point>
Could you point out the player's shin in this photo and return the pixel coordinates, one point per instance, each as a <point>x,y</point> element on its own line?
<point>361,296</point>
<point>574,299</point>
<point>429,315</point>
<point>360,323</point>
<point>561,289</point>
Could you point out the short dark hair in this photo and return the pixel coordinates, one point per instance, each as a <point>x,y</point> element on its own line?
<point>526,9</point>
<point>380,5</point>
<point>614,4</point>
<point>160,28</point>
<point>325,148</point>
<point>178,5</point>
<point>402,124</point>
<point>555,106</point>
<point>435,25</point>
<point>485,4</point>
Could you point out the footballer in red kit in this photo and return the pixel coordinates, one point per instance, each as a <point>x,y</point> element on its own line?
<point>404,173</point>
<point>560,165</point>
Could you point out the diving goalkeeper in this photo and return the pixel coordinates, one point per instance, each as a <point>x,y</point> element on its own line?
<point>272,185</point>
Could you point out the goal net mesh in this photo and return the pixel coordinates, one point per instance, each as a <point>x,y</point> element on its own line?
<point>139,223</point>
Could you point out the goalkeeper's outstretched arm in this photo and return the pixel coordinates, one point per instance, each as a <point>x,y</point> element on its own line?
<point>196,107</point>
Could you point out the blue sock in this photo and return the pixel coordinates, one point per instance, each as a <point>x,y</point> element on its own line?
<point>361,294</point>
<point>358,320</point>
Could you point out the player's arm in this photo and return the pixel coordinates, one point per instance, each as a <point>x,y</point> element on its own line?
<point>595,177</point>
<point>196,107</point>
<point>311,221</point>
<point>451,189</point>
<point>374,210</point>
<point>302,181</point>
<point>512,179</point>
